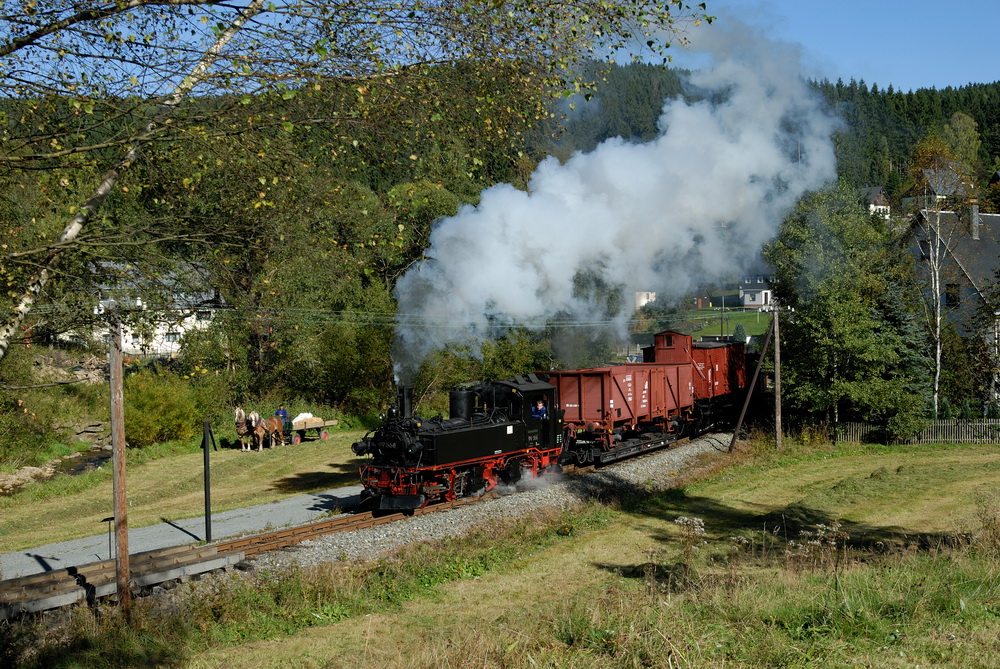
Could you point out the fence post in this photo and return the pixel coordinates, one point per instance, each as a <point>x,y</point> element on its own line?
<point>205,439</point>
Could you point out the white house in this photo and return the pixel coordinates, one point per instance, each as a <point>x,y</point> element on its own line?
<point>755,290</point>
<point>644,297</point>
<point>162,330</point>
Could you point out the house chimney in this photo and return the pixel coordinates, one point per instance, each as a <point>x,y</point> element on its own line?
<point>975,218</point>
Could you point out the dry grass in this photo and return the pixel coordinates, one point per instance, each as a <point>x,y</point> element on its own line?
<point>900,490</point>
<point>614,597</point>
<point>459,622</point>
<point>638,589</point>
<point>173,488</point>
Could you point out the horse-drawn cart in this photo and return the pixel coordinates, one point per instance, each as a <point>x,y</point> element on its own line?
<point>299,427</point>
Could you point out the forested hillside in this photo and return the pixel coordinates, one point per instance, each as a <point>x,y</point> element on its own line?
<point>875,147</point>
<point>884,126</point>
<point>300,208</point>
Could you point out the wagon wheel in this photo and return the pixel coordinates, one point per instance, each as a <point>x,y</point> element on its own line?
<point>325,434</point>
<point>297,438</point>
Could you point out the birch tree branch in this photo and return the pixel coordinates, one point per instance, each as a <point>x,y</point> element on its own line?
<point>38,282</point>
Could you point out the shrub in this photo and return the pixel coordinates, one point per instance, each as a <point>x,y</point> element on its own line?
<point>23,439</point>
<point>159,407</point>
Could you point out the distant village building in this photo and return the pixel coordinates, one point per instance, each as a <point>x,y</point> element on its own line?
<point>960,251</point>
<point>162,331</point>
<point>969,243</point>
<point>755,289</point>
<point>153,329</point>
<point>877,201</point>
<point>644,297</point>
<point>947,187</point>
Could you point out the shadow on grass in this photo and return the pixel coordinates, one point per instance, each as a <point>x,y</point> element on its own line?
<point>781,526</point>
<point>771,532</point>
<point>226,443</point>
<point>342,474</point>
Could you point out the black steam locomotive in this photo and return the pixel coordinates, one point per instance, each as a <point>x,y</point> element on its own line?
<point>490,438</point>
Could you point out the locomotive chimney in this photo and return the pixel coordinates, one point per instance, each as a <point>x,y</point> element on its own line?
<point>460,403</point>
<point>404,401</point>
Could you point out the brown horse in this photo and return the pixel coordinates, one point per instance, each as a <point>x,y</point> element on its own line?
<point>244,430</point>
<point>266,428</point>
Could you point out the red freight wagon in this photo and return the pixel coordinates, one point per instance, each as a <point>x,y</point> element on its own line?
<point>669,347</point>
<point>719,368</point>
<point>611,404</point>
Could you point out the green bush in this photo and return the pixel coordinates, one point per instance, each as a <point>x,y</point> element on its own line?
<point>23,439</point>
<point>22,434</point>
<point>160,407</point>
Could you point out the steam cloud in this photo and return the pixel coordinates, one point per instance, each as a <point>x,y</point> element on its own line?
<point>692,206</point>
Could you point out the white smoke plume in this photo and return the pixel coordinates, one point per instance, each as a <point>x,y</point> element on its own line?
<point>692,206</point>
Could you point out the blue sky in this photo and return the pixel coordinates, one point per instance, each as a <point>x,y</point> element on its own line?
<point>910,44</point>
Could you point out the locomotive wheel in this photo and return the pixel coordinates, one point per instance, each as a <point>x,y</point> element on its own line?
<point>511,474</point>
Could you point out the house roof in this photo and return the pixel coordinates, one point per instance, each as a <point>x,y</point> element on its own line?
<point>874,195</point>
<point>979,259</point>
<point>947,181</point>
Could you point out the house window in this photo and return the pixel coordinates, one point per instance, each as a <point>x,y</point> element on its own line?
<point>173,337</point>
<point>203,316</point>
<point>952,295</point>
<point>752,296</point>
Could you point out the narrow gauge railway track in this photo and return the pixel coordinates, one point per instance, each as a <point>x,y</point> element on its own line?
<point>278,539</point>
<point>96,580</point>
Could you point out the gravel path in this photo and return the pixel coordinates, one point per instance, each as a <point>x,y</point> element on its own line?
<point>653,472</point>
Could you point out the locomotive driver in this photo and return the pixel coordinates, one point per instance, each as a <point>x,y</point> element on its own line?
<point>539,411</point>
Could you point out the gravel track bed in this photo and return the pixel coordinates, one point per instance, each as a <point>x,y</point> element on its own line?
<point>653,472</point>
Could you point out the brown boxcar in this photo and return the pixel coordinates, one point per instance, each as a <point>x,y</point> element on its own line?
<point>720,368</point>
<point>609,404</point>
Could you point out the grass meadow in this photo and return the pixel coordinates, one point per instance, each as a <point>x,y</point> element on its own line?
<point>822,555</point>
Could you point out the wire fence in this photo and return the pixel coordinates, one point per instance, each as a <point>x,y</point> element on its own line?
<point>977,431</point>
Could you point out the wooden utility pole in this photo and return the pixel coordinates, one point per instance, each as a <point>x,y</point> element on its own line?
<point>777,382</point>
<point>752,385</point>
<point>118,461</point>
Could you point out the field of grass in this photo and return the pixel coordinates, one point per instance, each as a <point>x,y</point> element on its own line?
<point>714,322</point>
<point>172,487</point>
<point>824,556</point>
